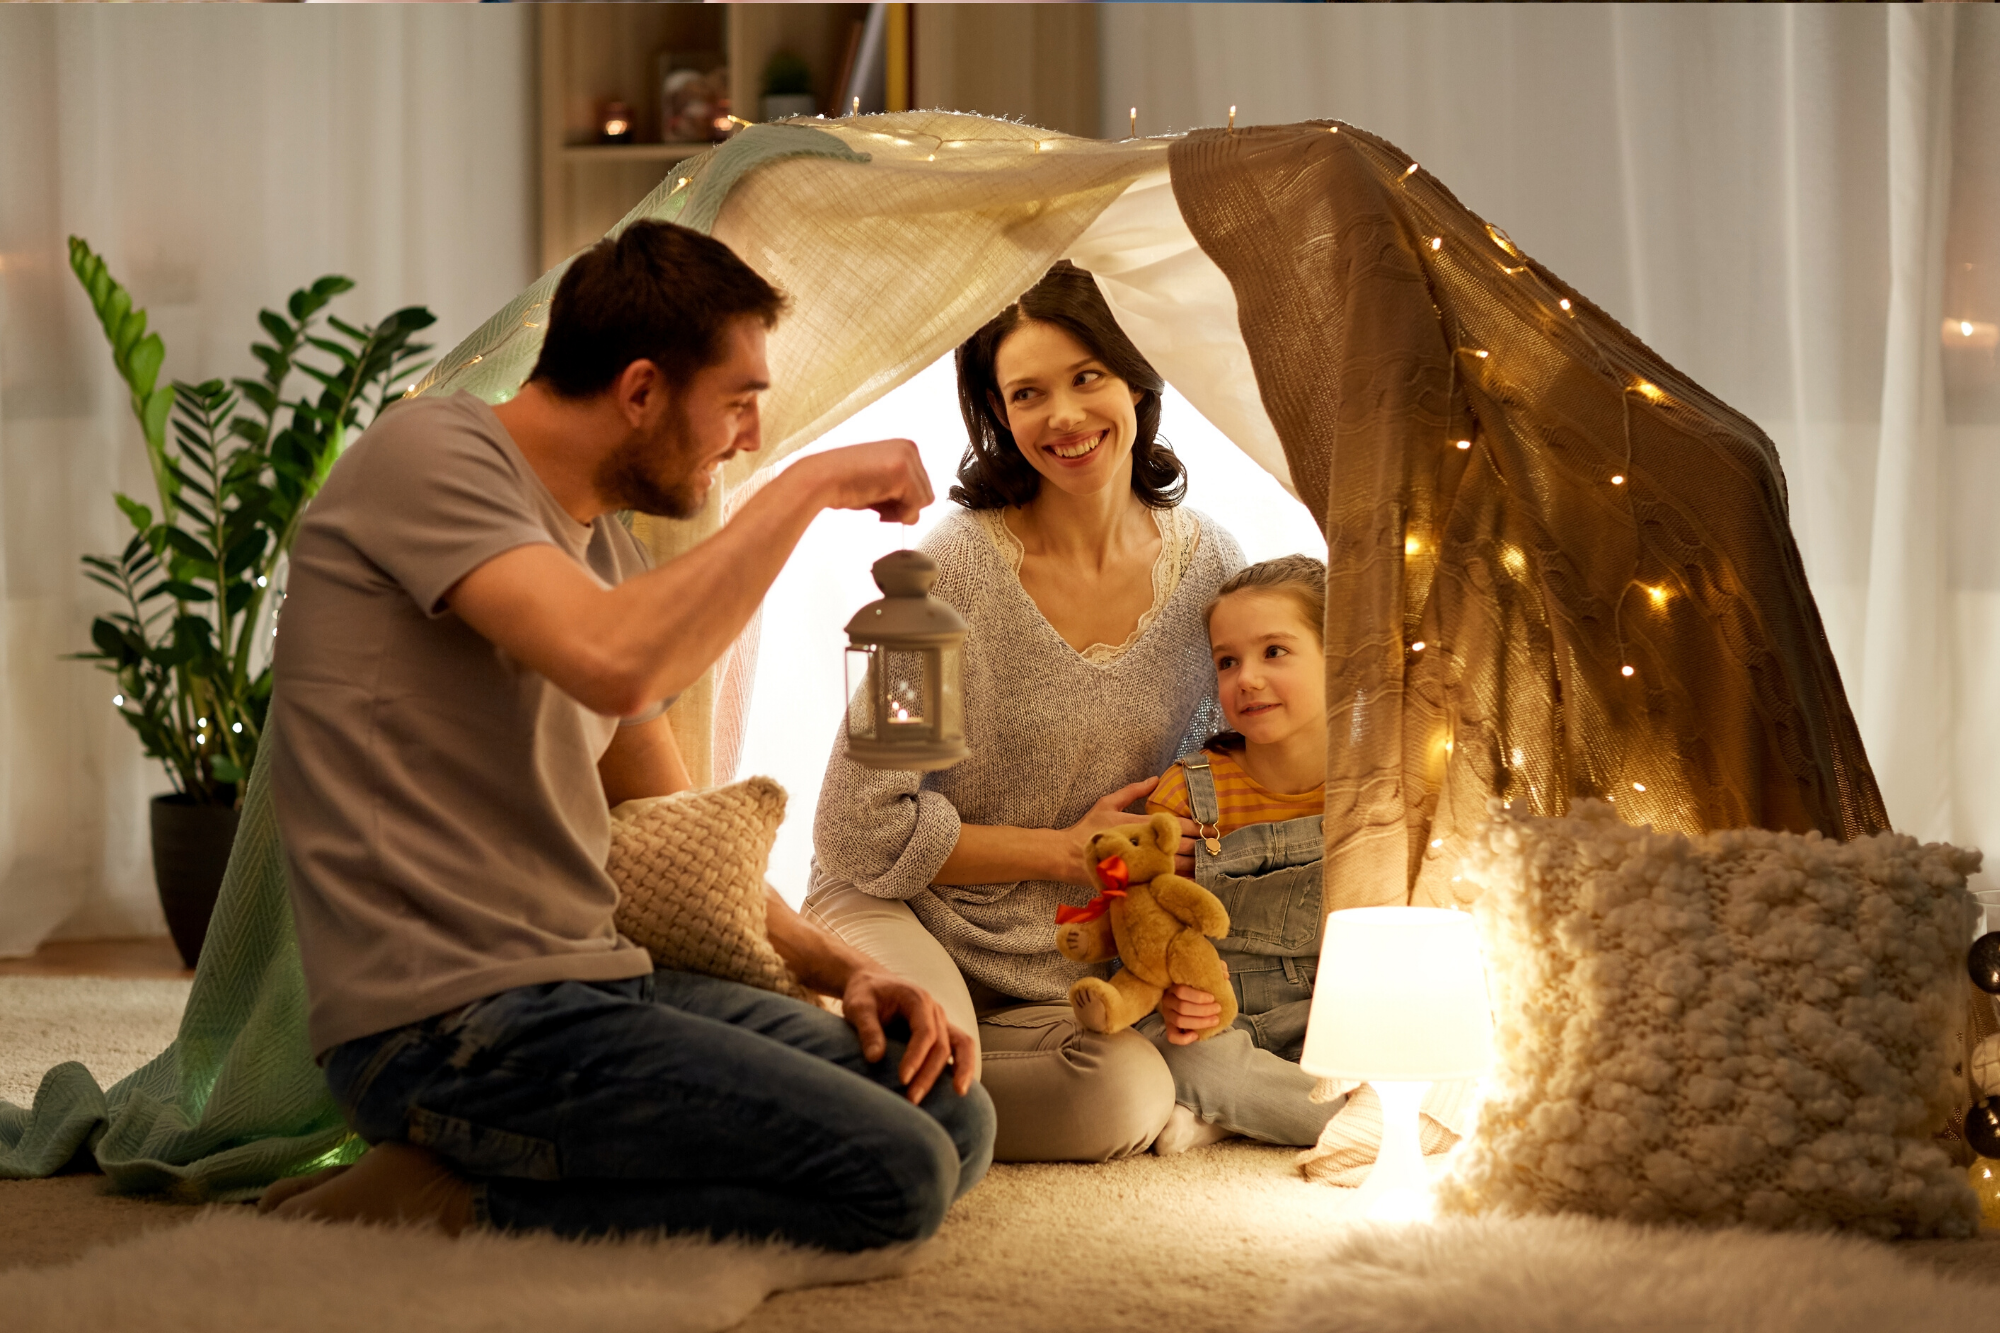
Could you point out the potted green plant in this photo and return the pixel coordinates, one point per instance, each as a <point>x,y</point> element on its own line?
<point>200,579</point>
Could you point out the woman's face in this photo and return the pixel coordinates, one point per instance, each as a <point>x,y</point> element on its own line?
<point>1072,419</point>
<point>1270,671</point>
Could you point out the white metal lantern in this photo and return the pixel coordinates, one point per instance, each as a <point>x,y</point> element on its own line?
<point>905,707</point>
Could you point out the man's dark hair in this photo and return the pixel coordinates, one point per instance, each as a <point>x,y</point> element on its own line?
<point>654,292</point>
<point>993,474</point>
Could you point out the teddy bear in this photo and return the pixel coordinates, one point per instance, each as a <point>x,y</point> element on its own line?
<point>1149,918</point>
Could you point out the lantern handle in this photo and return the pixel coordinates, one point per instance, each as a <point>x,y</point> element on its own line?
<point>905,574</point>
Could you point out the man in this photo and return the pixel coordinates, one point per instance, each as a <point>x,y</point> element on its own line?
<point>472,665</point>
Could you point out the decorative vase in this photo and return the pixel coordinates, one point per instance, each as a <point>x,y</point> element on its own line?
<point>191,845</point>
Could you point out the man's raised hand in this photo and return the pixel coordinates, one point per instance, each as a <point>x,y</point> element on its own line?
<point>886,476</point>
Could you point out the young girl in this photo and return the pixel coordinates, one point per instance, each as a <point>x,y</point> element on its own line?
<point>1256,793</point>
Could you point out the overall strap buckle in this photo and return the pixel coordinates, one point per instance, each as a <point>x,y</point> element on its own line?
<point>1201,800</point>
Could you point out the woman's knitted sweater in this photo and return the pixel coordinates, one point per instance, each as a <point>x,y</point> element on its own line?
<point>1051,733</point>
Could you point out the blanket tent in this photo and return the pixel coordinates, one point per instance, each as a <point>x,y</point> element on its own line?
<point>1557,567</point>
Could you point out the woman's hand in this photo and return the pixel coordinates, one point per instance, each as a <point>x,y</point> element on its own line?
<point>1189,1013</point>
<point>1109,812</point>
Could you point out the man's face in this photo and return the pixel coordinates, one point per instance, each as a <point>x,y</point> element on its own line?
<point>668,464</point>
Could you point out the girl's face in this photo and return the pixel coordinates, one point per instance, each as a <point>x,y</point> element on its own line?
<point>1072,419</point>
<point>1270,670</point>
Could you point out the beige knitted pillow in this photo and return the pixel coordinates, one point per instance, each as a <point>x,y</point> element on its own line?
<point>1745,1027</point>
<point>690,875</point>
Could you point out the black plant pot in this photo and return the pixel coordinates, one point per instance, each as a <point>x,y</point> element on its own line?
<point>191,845</point>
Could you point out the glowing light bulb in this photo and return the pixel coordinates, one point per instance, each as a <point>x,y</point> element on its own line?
<point>931,158</point>
<point>1437,242</point>
<point>1482,355</point>
<point>117,701</point>
<point>1965,328</point>
<point>1437,842</point>
<point>1625,671</point>
<point>1659,595</point>
<point>1618,479</point>
<point>1411,546</point>
<point>1447,747</point>
<point>1410,171</point>
<point>682,181</point>
<point>201,722</point>
<point>201,738</point>
<point>1652,393</point>
<point>236,727</point>
<point>263,582</point>
<point>1417,647</point>
<point>1564,303</point>
<point>1465,444</point>
<point>1134,113</point>
<point>1638,786</point>
<point>1232,116</point>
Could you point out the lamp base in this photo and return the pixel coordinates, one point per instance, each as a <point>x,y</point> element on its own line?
<point>1398,1188</point>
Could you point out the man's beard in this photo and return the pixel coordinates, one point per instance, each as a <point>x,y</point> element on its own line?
<point>656,474</point>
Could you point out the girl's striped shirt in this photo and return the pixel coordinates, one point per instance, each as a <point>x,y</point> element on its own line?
<point>1239,800</point>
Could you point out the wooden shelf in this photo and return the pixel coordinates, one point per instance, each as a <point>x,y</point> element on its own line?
<point>1038,62</point>
<point>631,152</point>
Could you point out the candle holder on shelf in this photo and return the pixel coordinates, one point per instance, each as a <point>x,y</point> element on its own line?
<point>615,124</point>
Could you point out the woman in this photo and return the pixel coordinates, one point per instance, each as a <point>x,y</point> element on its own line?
<point>1086,671</point>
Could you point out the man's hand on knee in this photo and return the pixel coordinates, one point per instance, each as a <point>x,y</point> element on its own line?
<point>873,996</point>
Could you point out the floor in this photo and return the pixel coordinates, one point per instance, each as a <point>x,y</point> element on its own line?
<point>100,958</point>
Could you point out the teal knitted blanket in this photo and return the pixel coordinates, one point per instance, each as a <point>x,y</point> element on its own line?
<point>236,1102</point>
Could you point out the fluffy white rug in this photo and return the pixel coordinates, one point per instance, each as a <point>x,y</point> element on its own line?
<point>231,1269</point>
<point>1564,1273</point>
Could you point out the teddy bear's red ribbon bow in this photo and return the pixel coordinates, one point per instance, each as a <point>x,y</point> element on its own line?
<point>1116,876</point>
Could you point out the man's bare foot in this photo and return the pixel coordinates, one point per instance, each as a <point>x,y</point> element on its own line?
<point>281,1190</point>
<point>393,1182</point>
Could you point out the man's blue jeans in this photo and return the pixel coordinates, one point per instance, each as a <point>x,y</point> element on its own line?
<point>671,1102</point>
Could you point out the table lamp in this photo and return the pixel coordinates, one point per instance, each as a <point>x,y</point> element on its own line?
<point>1399,1002</point>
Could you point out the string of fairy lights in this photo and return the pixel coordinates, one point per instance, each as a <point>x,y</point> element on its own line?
<point>1656,594</point>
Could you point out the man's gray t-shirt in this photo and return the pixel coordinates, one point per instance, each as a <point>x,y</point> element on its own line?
<point>440,804</point>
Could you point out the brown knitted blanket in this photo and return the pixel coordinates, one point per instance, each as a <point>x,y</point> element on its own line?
<point>1557,567</point>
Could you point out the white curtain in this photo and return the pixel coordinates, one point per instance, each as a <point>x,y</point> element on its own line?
<point>218,156</point>
<point>1799,205</point>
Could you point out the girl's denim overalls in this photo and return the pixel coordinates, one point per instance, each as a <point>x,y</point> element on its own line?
<point>1268,877</point>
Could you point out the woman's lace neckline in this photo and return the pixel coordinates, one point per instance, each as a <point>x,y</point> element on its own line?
<point>1180,534</point>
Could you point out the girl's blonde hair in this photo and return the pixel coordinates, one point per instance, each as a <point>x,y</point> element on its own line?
<point>1299,577</point>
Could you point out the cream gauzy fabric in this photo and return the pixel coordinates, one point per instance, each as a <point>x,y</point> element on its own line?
<point>1744,1028</point>
<point>690,874</point>
<point>1558,569</point>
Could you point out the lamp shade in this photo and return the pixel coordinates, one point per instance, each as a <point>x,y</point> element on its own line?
<point>1400,996</point>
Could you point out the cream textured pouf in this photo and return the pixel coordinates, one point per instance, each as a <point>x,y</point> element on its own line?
<point>690,875</point>
<point>1741,1028</point>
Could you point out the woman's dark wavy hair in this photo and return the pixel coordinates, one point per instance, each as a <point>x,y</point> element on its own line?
<point>994,474</point>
